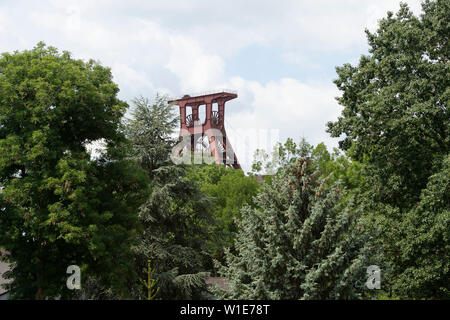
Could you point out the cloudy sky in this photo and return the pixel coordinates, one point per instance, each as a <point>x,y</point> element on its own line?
<point>280,56</point>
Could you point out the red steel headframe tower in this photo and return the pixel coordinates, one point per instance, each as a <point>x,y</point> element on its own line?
<point>213,127</point>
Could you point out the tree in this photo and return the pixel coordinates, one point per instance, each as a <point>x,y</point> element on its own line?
<point>395,114</point>
<point>396,122</point>
<point>298,243</point>
<point>176,216</point>
<point>282,154</point>
<point>338,165</point>
<point>59,207</point>
<point>422,263</point>
<point>151,132</point>
<point>230,190</point>
<point>150,284</point>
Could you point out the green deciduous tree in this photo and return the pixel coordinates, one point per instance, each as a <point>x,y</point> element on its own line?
<point>281,155</point>
<point>336,164</point>
<point>230,190</point>
<point>395,121</point>
<point>395,101</point>
<point>339,166</point>
<point>58,207</point>
<point>421,256</point>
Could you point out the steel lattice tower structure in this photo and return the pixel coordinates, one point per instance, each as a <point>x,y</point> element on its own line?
<point>193,131</point>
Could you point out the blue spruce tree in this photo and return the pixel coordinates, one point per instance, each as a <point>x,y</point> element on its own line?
<point>301,241</point>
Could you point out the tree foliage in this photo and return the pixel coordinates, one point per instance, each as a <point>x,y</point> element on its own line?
<point>421,246</point>
<point>336,166</point>
<point>281,155</point>
<point>396,123</point>
<point>309,232</point>
<point>395,114</point>
<point>230,190</point>
<point>59,207</point>
<point>298,242</point>
<point>176,216</point>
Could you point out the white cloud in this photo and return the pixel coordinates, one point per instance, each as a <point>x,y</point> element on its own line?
<point>292,108</point>
<point>185,46</point>
<point>3,21</point>
<point>300,60</point>
<point>131,79</point>
<point>196,69</point>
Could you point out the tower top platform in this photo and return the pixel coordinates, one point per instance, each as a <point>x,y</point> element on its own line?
<point>204,97</point>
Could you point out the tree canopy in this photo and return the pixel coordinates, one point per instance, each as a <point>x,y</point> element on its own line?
<point>230,190</point>
<point>298,242</point>
<point>176,216</point>
<point>395,114</point>
<point>59,207</point>
<point>395,122</point>
<point>309,231</point>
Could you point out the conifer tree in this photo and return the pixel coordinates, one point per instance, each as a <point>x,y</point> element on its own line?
<point>176,216</point>
<point>298,243</point>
